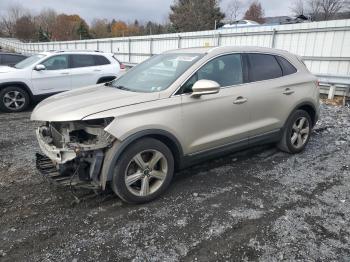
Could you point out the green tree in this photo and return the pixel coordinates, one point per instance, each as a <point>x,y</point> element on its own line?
<point>43,36</point>
<point>83,30</point>
<point>195,15</point>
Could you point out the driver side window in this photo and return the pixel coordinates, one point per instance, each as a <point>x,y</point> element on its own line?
<point>226,70</point>
<point>56,62</point>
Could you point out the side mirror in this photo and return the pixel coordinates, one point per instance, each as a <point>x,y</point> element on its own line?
<point>40,67</point>
<point>205,87</point>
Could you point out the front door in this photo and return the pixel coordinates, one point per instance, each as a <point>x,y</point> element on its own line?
<point>55,78</point>
<point>216,120</point>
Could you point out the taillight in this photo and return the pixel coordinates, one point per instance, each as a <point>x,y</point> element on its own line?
<point>122,66</point>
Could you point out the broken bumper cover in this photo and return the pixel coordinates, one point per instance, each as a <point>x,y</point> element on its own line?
<point>57,155</point>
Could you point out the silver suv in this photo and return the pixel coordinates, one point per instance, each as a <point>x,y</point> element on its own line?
<point>172,111</point>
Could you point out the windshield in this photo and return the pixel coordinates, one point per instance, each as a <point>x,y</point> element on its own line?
<point>28,61</point>
<point>156,73</point>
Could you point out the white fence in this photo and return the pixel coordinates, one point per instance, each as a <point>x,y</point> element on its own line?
<point>324,46</point>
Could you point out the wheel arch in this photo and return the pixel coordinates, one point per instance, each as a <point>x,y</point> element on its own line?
<point>119,147</point>
<point>18,84</point>
<point>308,107</point>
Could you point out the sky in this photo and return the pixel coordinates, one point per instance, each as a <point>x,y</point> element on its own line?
<point>129,10</point>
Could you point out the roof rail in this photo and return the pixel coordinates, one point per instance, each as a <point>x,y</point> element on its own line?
<point>75,50</point>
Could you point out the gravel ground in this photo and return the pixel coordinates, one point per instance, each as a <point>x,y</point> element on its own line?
<point>259,204</point>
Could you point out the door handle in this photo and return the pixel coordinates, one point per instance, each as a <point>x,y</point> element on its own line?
<point>65,73</point>
<point>288,91</point>
<point>97,70</point>
<point>240,100</point>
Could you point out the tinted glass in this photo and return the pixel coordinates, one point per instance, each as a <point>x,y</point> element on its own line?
<point>11,58</point>
<point>82,61</point>
<point>226,70</point>
<point>156,73</point>
<point>56,62</point>
<point>101,60</point>
<point>287,67</point>
<point>263,67</point>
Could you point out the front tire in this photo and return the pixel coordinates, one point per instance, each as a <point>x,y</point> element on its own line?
<point>13,99</point>
<point>143,172</point>
<point>296,133</point>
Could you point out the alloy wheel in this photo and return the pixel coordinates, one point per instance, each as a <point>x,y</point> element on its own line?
<point>146,172</point>
<point>300,132</point>
<point>14,100</point>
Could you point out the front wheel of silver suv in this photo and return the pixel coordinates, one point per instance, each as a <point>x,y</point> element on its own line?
<point>296,133</point>
<point>143,172</point>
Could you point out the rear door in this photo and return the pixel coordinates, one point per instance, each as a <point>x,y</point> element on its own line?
<point>84,70</point>
<point>216,120</point>
<point>272,92</point>
<point>55,78</point>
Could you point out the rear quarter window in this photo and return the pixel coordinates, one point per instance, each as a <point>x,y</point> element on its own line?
<point>263,67</point>
<point>11,58</point>
<point>287,67</point>
<point>101,60</point>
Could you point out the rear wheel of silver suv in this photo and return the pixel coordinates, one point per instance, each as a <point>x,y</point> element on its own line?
<point>143,172</point>
<point>296,133</point>
<point>13,99</point>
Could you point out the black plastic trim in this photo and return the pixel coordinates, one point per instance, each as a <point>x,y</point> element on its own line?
<point>105,79</point>
<point>316,111</point>
<point>267,138</point>
<point>37,98</point>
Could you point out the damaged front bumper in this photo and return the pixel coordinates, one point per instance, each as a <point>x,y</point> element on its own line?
<point>73,153</point>
<point>57,155</point>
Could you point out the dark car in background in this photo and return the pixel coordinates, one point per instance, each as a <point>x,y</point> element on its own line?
<point>10,59</point>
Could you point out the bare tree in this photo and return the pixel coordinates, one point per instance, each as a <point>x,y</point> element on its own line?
<point>298,8</point>
<point>331,7</point>
<point>25,28</point>
<point>45,21</point>
<point>234,10</point>
<point>8,21</point>
<point>314,9</point>
<point>320,9</point>
<point>99,28</point>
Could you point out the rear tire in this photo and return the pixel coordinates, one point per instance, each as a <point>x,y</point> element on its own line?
<point>143,172</point>
<point>13,99</point>
<point>296,133</point>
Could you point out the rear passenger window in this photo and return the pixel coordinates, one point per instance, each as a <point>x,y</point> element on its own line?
<point>287,67</point>
<point>101,60</point>
<point>263,67</point>
<point>82,61</point>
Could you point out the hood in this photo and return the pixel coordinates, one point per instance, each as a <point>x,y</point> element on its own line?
<point>79,103</point>
<point>7,69</point>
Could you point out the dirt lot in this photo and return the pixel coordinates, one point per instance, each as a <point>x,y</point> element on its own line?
<point>259,204</point>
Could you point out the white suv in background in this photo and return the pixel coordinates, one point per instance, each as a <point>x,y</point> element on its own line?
<point>48,73</point>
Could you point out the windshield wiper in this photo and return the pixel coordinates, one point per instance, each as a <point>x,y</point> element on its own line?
<point>122,88</point>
